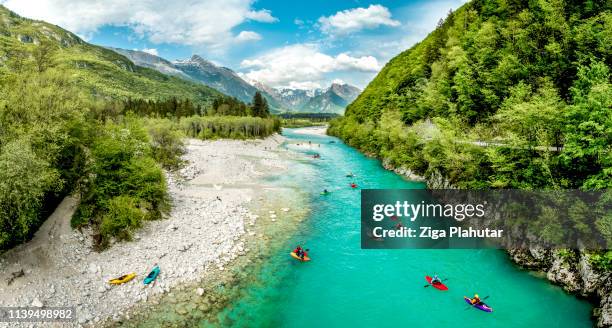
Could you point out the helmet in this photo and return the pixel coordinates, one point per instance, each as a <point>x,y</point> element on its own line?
<point>475,295</point>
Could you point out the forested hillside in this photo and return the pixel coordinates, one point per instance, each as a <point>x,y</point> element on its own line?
<point>96,69</point>
<point>80,119</point>
<point>503,94</point>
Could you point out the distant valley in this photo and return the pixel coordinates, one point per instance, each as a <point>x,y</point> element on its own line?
<point>333,99</point>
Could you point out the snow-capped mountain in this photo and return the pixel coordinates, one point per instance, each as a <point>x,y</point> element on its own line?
<point>201,70</point>
<point>331,100</point>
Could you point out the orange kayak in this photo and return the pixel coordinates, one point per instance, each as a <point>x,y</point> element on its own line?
<point>295,256</point>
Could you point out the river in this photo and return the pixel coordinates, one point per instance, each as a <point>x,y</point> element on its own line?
<point>345,286</point>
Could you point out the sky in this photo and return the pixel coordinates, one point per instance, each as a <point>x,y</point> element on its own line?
<point>296,44</point>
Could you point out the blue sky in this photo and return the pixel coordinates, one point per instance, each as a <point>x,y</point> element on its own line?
<point>301,44</point>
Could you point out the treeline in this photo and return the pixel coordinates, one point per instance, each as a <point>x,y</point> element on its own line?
<point>315,117</point>
<point>531,79</point>
<point>177,108</point>
<point>297,120</point>
<point>211,127</point>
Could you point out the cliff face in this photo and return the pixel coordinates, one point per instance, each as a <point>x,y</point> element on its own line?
<point>569,269</point>
<point>574,273</point>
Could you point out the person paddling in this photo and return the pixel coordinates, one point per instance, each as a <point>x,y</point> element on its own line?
<point>476,300</point>
<point>435,280</point>
<point>298,250</point>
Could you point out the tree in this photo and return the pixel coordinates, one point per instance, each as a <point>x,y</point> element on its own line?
<point>260,106</point>
<point>43,56</point>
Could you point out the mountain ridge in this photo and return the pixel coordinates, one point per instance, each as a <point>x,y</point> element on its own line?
<point>101,71</point>
<point>329,100</point>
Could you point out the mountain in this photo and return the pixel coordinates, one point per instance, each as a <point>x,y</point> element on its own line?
<point>333,100</point>
<point>198,69</point>
<point>220,78</point>
<point>145,59</point>
<point>97,69</point>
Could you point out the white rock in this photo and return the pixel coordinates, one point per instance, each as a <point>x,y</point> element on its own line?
<point>36,302</point>
<point>200,291</point>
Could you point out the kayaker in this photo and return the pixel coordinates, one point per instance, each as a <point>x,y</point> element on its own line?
<point>303,255</point>
<point>436,279</point>
<point>298,250</point>
<point>325,191</point>
<point>475,300</point>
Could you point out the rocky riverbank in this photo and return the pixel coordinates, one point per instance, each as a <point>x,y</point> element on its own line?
<point>205,231</point>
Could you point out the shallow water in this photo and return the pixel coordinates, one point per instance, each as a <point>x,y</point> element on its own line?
<point>345,286</point>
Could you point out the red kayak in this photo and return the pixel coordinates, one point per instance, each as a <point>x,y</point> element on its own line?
<point>437,285</point>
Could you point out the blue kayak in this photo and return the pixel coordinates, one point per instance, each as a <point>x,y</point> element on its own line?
<point>152,275</point>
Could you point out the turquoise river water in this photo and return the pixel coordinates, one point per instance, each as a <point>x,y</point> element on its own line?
<point>345,286</point>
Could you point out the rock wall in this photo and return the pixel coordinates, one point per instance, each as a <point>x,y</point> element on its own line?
<point>572,271</point>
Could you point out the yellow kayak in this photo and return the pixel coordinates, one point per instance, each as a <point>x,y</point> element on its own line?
<point>295,256</point>
<point>123,279</point>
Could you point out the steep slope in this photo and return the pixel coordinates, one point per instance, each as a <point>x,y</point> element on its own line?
<point>333,100</point>
<point>157,63</point>
<point>102,71</point>
<point>220,78</point>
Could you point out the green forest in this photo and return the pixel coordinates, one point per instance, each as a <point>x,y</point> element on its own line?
<point>80,119</point>
<point>503,94</point>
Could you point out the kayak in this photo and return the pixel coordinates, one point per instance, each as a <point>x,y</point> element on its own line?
<point>295,256</point>
<point>152,275</point>
<point>123,279</point>
<point>353,185</point>
<point>481,306</point>
<point>438,285</point>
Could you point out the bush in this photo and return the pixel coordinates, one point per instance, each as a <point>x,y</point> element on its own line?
<point>122,216</point>
<point>602,261</point>
<point>124,180</point>
<point>24,181</point>
<point>166,143</point>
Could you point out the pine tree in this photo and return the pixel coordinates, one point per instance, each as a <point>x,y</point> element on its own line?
<point>260,106</point>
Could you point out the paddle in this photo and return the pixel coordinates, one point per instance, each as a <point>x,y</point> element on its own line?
<point>482,299</point>
<point>430,284</point>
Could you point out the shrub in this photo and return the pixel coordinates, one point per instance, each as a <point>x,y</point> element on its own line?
<point>122,216</point>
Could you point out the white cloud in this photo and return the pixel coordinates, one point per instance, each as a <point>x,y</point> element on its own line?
<point>194,23</point>
<point>264,16</point>
<point>357,19</point>
<point>301,65</point>
<point>151,51</point>
<point>248,36</point>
